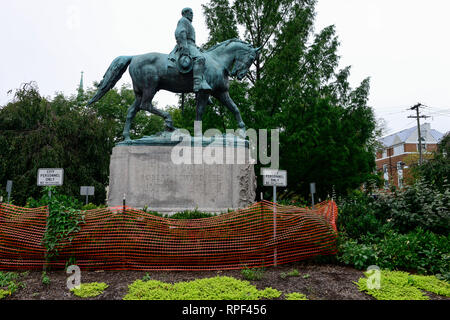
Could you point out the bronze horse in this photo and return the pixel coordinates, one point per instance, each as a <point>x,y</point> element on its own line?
<point>151,72</point>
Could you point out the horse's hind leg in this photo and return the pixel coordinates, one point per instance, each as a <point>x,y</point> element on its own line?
<point>148,106</point>
<point>132,110</point>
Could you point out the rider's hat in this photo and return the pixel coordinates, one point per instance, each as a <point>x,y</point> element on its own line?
<point>185,63</point>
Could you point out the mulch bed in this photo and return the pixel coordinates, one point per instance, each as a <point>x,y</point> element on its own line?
<point>318,282</point>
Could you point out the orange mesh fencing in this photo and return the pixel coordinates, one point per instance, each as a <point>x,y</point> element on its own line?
<point>263,235</point>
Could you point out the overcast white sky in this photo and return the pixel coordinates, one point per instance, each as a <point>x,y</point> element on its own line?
<point>403,45</point>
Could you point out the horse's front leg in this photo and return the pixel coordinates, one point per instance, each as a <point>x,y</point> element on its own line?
<point>225,99</point>
<point>132,110</point>
<point>202,101</point>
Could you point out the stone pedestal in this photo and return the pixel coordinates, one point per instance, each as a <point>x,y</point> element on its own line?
<point>149,177</point>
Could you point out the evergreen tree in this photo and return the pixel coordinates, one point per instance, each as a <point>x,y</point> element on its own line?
<point>63,133</point>
<point>327,129</point>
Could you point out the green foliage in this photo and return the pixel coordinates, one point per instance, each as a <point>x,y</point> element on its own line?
<point>45,279</point>
<point>252,274</point>
<point>294,273</point>
<point>357,216</point>
<point>397,285</point>
<point>146,277</point>
<point>4,293</point>
<point>9,283</point>
<point>188,214</point>
<point>358,255</point>
<point>419,205</point>
<point>91,206</point>
<point>436,171</point>
<point>295,85</point>
<point>37,133</point>
<point>89,290</point>
<point>184,215</point>
<point>220,18</point>
<point>418,250</point>
<point>62,133</point>
<point>62,221</point>
<point>295,296</point>
<point>67,201</point>
<point>217,288</point>
<point>290,198</point>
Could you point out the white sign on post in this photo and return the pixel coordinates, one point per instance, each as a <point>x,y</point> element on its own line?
<point>50,177</point>
<point>87,191</point>
<point>274,177</point>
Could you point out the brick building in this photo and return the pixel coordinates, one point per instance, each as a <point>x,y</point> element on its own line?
<point>400,146</point>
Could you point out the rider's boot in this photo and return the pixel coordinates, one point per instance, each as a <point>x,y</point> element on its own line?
<point>200,84</point>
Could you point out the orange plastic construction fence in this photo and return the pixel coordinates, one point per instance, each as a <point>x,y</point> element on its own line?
<point>263,235</point>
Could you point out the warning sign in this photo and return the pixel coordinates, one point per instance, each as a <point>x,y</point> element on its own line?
<point>50,177</point>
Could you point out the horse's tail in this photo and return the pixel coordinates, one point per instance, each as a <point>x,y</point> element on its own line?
<point>112,75</point>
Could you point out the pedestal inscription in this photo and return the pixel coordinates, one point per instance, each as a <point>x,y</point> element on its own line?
<point>148,177</point>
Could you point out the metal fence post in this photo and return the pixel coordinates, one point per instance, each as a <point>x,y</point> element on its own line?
<point>275,225</point>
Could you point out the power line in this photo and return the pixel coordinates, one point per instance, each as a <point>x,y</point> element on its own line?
<point>389,132</point>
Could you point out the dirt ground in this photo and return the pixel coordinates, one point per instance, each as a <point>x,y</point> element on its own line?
<point>318,282</point>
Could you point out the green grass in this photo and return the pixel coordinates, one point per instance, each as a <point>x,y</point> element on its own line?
<point>4,293</point>
<point>217,288</point>
<point>398,285</point>
<point>295,296</point>
<point>89,290</point>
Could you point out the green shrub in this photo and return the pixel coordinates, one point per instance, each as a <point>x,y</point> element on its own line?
<point>89,290</point>
<point>358,217</point>
<point>146,277</point>
<point>295,296</point>
<point>45,279</point>
<point>420,205</point>
<point>62,221</point>
<point>397,285</point>
<point>356,254</point>
<point>9,283</point>
<point>294,273</point>
<point>91,206</point>
<point>420,250</point>
<point>191,214</point>
<point>252,274</point>
<point>217,288</point>
<point>67,201</point>
<point>4,293</point>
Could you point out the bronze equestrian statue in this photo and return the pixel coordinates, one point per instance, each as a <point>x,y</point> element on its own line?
<point>187,69</point>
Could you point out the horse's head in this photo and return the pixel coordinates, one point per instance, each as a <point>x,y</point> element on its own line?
<point>243,60</point>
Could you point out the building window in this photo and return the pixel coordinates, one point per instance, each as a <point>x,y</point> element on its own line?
<point>398,149</point>
<point>384,154</point>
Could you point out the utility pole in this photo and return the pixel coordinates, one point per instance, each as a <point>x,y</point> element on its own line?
<point>418,116</point>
